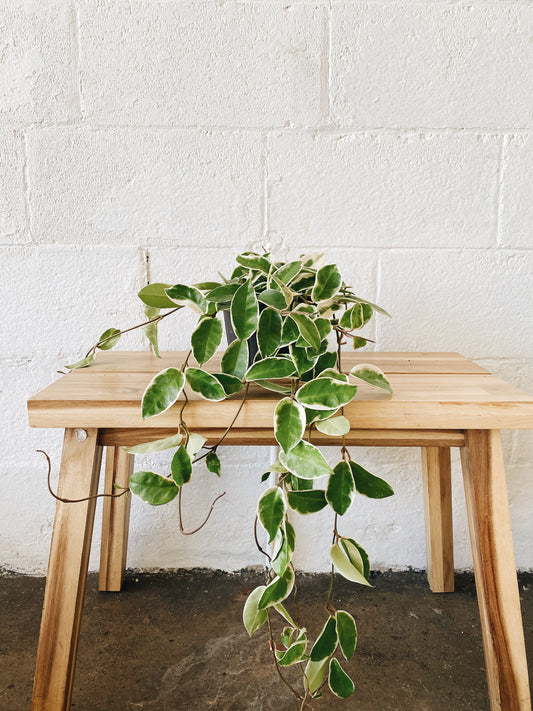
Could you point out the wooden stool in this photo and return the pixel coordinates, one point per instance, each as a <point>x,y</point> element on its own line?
<point>440,400</point>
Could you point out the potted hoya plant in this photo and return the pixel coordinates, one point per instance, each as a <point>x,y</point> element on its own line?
<point>286,323</point>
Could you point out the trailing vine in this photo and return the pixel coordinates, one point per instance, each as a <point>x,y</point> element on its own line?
<point>287,323</point>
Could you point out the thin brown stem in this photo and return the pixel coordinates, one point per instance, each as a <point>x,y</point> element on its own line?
<point>228,428</point>
<point>257,542</point>
<point>156,319</point>
<point>75,501</point>
<point>273,650</point>
<point>180,519</point>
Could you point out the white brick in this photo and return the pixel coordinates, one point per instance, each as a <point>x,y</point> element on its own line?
<point>476,303</point>
<point>146,187</point>
<point>13,228</point>
<point>37,77</point>
<point>432,65</point>
<point>201,63</point>
<point>57,301</point>
<point>383,190</point>
<point>516,227</point>
<point>227,540</point>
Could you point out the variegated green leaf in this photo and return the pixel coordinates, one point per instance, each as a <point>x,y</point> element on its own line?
<point>194,444</point>
<point>314,674</point>
<point>347,633</point>
<point>252,616</point>
<point>334,426</point>
<point>326,642</point>
<point>272,298</point>
<point>307,502</point>
<point>222,294</point>
<point>368,484</point>
<point>340,491</point>
<point>162,392</point>
<point>158,445</point>
<point>278,590</point>
<point>271,510</point>
<point>274,368</point>
<point>308,331</point>
<point>305,461</point>
<point>244,311</point>
<point>287,272</point>
<point>109,339</point>
<point>205,384</point>
<point>254,261</point>
<point>235,359</point>
<point>289,423</point>
<point>372,375</point>
<point>187,296</point>
<point>83,363</point>
<point>230,383</point>
<point>152,488</point>
<point>181,466</point>
<point>155,295</point>
<point>325,394</point>
<point>345,567</point>
<point>205,339</point>
<point>269,332</point>
<point>212,463</point>
<point>328,282</point>
<point>339,682</point>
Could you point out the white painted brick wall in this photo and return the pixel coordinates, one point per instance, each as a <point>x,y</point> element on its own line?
<point>154,140</point>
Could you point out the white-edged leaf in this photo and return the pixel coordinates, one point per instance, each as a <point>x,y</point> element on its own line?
<point>325,394</point>
<point>372,375</point>
<point>244,311</point>
<point>305,461</point>
<point>334,426</point>
<point>345,567</point>
<point>109,339</point>
<point>195,444</point>
<point>315,673</point>
<point>184,295</point>
<point>347,633</point>
<point>340,491</point>
<point>271,509</point>
<point>274,368</point>
<point>252,617</point>
<point>162,392</point>
<point>205,339</point>
<point>339,682</point>
<point>289,423</point>
<point>157,445</point>
<point>152,488</point>
<point>155,295</point>
<point>328,282</point>
<point>235,359</point>
<point>279,589</point>
<point>205,384</point>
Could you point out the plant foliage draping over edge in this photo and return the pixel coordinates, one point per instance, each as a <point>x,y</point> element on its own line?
<point>290,321</point>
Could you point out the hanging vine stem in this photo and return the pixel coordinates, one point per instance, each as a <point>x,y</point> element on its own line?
<point>213,447</point>
<point>156,319</point>
<point>273,650</point>
<point>257,542</point>
<point>74,501</point>
<point>180,520</point>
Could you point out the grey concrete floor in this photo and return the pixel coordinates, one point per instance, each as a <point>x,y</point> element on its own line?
<point>175,641</point>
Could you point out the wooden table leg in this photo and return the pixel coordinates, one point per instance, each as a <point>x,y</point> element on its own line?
<point>495,571</point>
<point>67,572</point>
<point>115,521</point>
<point>437,485</point>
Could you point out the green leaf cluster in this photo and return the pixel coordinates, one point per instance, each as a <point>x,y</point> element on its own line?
<point>289,319</point>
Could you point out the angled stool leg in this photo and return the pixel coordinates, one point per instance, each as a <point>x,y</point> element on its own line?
<point>115,521</point>
<point>67,572</point>
<point>437,485</point>
<point>494,566</point>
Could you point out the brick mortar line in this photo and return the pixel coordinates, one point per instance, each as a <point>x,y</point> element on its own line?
<point>286,130</point>
<point>493,249</point>
<point>75,58</point>
<point>499,191</point>
<point>27,188</point>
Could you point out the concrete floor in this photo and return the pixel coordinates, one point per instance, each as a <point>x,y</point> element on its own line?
<point>175,641</point>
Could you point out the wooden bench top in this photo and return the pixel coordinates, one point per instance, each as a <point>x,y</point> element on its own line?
<point>430,391</point>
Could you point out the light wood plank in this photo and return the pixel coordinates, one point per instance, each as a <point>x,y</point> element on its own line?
<point>437,486</point>
<point>393,362</point>
<point>115,520</point>
<point>67,572</point>
<point>495,572</point>
<point>364,438</point>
